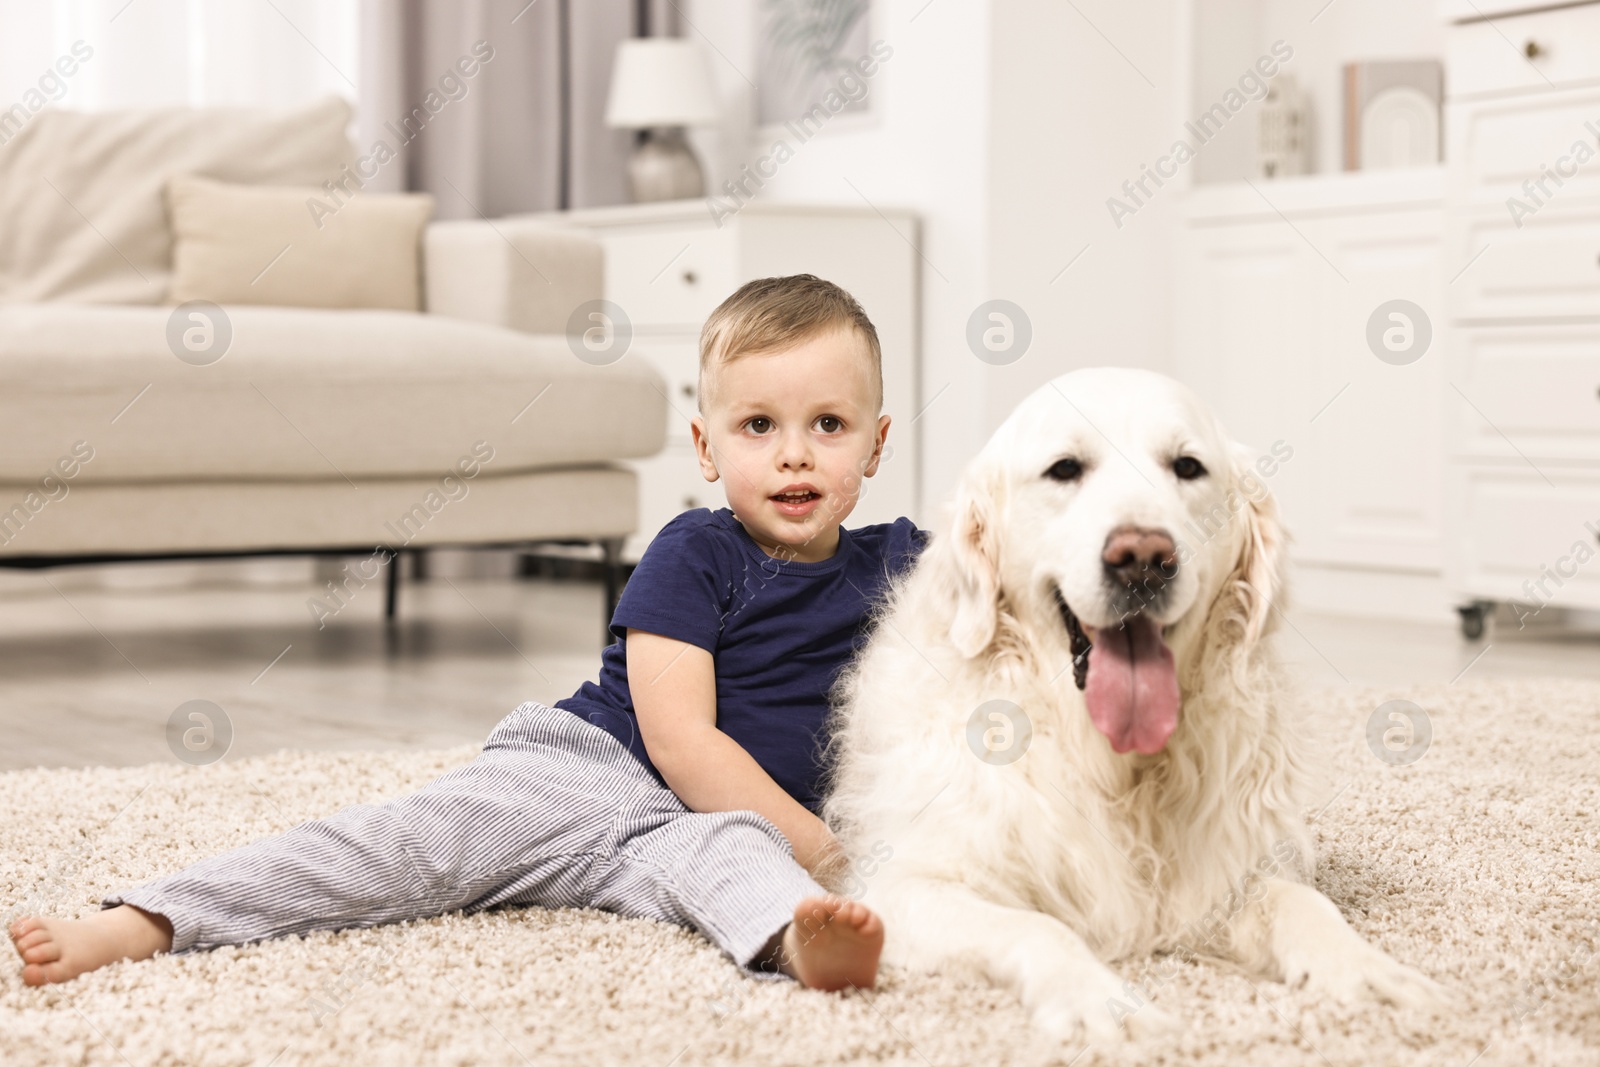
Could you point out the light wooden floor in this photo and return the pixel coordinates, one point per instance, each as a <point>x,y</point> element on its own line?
<point>90,675</point>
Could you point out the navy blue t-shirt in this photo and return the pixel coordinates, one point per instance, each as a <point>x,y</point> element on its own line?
<point>779,632</point>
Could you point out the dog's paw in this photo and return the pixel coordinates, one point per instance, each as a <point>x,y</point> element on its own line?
<point>1150,1021</point>
<point>1099,1009</point>
<point>1361,972</point>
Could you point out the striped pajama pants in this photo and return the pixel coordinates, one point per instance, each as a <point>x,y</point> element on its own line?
<point>553,812</point>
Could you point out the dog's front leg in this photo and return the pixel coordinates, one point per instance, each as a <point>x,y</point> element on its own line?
<point>1296,935</point>
<point>1071,995</point>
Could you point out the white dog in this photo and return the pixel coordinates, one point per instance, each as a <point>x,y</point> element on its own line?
<point>1067,731</point>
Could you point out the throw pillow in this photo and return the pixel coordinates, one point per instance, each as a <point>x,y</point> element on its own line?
<point>295,247</point>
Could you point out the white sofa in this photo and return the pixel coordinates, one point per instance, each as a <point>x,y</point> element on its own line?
<point>319,431</point>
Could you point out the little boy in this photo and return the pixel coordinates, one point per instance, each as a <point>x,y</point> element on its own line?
<point>683,785</point>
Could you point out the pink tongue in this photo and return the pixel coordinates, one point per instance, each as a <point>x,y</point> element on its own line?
<point>1132,689</point>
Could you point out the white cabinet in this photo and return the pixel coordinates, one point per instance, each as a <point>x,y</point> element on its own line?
<point>1273,314</point>
<point>1523,433</point>
<point>668,265</point>
<point>1376,451</point>
<point>1472,473</point>
<point>1548,268</point>
<point>1499,143</point>
<point>1527,537</point>
<point>1535,51</point>
<point>1527,390</point>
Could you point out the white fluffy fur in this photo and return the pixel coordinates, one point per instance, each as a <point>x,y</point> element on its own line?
<point>1033,872</point>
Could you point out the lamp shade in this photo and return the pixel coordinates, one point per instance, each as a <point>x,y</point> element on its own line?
<point>660,81</point>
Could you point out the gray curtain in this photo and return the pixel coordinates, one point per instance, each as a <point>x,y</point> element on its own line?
<point>525,131</point>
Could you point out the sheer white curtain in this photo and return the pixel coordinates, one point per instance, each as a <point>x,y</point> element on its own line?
<point>162,53</point>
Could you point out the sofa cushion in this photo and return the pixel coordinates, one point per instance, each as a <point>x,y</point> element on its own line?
<point>81,206</point>
<point>262,244</point>
<point>306,394</point>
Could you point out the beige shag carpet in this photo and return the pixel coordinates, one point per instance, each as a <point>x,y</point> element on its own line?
<point>1477,864</point>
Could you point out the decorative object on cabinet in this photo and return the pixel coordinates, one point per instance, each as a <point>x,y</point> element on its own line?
<point>658,86</point>
<point>1285,131</point>
<point>1391,113</point>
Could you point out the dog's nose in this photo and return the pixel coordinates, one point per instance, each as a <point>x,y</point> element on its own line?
<point>1140,556</point>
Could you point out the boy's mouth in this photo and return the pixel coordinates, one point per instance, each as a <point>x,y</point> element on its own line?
<point>796,500</point>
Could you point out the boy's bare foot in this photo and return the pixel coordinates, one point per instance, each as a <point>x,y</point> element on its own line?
<point>833,943</point>
<point>58,950</point>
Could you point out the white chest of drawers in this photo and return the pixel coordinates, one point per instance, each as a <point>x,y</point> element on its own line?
<point>668,265</point>
<point>1523,229</point>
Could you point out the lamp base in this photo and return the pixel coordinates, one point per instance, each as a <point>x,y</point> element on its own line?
<point>663,167</point>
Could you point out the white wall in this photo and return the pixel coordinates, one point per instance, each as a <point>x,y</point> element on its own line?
<point>926,147</point>
<point>1084,95</point>
<point>1005,124</point>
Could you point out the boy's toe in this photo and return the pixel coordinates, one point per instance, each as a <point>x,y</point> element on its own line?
<point>47,973</point>
<point>44,950</point>
<point>31,940</point>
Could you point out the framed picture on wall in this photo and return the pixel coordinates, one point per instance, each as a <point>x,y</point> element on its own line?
<point>816,63</point>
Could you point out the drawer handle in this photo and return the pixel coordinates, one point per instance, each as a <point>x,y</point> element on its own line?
<point>690,502</point>
<point>1532,49</point>
<point>688,390</point>
<point>690,277</point>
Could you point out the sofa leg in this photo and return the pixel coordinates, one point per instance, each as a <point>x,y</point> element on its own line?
<point>612,548</point>
<point>391,586</point>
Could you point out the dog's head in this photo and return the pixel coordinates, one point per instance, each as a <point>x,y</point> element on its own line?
<point>1113,509</point>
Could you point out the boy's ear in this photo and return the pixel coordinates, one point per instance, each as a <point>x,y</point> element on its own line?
<point>877,451</point>
<point>702,448</point>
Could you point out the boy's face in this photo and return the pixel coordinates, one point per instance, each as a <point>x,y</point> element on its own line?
<point>804,416</point>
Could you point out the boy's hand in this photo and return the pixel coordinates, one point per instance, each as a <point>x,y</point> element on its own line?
<point>825,859</point>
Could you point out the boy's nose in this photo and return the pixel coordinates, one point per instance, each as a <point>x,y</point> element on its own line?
<point>796,451</point>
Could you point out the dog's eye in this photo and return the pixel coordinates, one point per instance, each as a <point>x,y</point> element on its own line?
<point>1188,468</point>
<point>1065,470</point>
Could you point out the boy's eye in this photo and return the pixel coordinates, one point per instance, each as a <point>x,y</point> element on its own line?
<point>760,424</point>
<point>830,423</point>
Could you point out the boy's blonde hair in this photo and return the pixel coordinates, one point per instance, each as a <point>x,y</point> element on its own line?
<point>774,314</point>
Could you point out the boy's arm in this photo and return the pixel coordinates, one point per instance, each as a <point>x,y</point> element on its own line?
<point>674,689</point>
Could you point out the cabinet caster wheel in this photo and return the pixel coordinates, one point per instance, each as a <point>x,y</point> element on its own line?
<point>1472,617</point>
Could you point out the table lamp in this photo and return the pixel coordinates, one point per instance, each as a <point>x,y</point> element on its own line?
<point>659,86</point>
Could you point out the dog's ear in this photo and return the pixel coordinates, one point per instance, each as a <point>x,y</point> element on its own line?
<point>1258,577</point>
<point>975,557</point>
